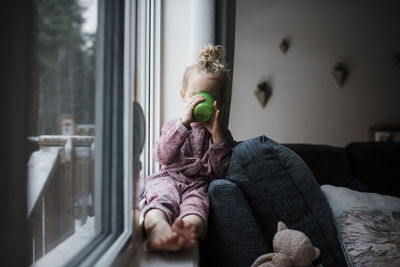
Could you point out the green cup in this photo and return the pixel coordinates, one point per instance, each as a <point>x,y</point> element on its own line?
<point>203,111</point>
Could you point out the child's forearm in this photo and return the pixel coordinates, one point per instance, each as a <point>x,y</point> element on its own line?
<point>185,123</point>
<point>220,154</point>
<point>169,144</point>
<point>217,138</point>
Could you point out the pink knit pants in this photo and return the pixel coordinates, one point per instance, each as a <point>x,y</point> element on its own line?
<point>177,199</point>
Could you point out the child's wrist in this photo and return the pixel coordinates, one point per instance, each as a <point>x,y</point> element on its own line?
<point>185,123</point>
<point>217,138</point>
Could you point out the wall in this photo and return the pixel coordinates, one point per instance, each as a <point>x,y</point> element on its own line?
<point>174,56</point>
<point>306,104</point>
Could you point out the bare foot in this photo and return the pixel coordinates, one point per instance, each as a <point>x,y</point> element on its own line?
<point>185,230</point>
<point>161,237</point>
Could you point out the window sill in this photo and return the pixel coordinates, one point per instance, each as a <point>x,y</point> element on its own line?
<point>134,255</point>
<point>184,258</point>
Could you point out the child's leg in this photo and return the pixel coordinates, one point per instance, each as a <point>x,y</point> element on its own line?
<point>160,235</point>
<point>163,198</point>
<point>194,213</point>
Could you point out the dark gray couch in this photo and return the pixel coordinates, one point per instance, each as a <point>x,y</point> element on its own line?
<point>268,182</point>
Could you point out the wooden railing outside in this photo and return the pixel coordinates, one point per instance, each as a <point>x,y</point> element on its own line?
<point>60,189</point>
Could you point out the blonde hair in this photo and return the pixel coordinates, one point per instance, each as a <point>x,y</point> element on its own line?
<point>208,60</point>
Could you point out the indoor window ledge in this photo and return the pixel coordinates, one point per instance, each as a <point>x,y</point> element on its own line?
<point>184,258</point>
<point>134,255</point>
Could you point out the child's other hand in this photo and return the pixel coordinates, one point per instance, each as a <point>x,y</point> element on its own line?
<point>213,125</point>
<point>190,104</point>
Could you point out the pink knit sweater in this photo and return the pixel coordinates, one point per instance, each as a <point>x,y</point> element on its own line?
<point>190,153</point>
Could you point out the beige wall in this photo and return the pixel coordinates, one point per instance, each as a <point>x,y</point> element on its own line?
<point>306,104</point>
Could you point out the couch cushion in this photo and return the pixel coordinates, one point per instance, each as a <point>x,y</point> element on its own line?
<point>369,225</point>
<point>279,186</point>
<point>329,165</point>
<point>234,237</point>
<point>377,164</point>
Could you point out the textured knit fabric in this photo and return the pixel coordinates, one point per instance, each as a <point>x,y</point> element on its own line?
<point>234,238</point>
<point>176,198</point>
<point>277,186</point>
<point>189,160</point>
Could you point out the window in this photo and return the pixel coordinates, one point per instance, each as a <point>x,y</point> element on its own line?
<point>61,195</point>
<point>91,89</point>
<point>146,86</point>
<point>80,167</point>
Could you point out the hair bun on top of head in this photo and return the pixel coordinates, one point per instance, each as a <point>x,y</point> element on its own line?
<point>209,57</point>
<point>208,60</point>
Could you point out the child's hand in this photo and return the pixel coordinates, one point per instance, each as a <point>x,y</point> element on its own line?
<point>190,104</point>
<point>213,125</point>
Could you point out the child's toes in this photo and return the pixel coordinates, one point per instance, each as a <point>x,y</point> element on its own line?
<point>189,227</point>
<point>181,241</point>
<point>179,224</point>
<point>190,242</point>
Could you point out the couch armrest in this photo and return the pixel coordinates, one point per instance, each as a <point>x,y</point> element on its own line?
<point>234,237</point>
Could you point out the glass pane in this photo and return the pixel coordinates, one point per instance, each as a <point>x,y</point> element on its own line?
<point>141,98</point>
<point>141,107</point>
<point>61,167</point>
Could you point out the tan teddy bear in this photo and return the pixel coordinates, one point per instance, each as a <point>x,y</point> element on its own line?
<point>292,248</point>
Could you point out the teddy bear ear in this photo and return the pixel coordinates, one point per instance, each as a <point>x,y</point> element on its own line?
<point>281,226</point>
<point>316,252</point>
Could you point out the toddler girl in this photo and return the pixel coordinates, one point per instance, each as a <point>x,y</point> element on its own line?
<point>191,154</point>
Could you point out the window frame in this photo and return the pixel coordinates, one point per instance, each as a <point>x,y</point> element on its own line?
<point>113,134</point>
<point>154,78</point>
<point>150,76</point>
<point>113,129</point>
<point>116,61</point>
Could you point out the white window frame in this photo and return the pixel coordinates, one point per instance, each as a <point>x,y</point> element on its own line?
<point>152,31</point>
<point>155,89</point>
